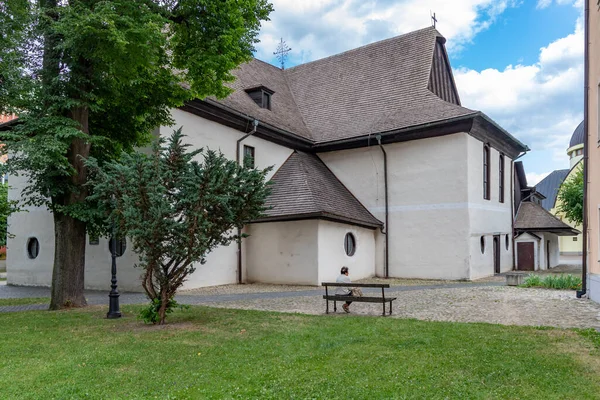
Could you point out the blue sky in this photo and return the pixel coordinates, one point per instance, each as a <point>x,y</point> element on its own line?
<point>519,61</point>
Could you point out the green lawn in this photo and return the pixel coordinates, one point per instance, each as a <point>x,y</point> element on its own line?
<point>25,301</point>
<point>217,353</point>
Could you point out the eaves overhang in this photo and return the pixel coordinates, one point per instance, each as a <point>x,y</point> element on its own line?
<point>317,215</point>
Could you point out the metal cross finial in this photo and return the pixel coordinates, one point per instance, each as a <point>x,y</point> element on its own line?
<point>282,52</point>
<point>433,19</point>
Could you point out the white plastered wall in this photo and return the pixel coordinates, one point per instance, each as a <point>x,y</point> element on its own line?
<point>283,252</point>
<point>332,255</point>
<point>488,218</point>
<point>428,202</point>
<point>221,265</point>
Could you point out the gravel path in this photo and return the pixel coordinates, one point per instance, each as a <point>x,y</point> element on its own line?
<point>473,302</point>
<point>492,304</point>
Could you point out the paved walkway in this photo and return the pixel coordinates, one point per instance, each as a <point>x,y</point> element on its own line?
<point>490,302</point>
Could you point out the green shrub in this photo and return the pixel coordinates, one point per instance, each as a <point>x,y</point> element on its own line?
<point>532,281</point>
<point>562,281</point>
<point>150,314</point>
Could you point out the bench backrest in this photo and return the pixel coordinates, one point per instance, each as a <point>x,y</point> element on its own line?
<point>366,285</point>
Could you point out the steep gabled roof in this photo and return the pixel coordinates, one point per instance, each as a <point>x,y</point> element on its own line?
<point>532,217</point>
<point>550,185</point>
<point>304,187</point>
<point>374,88</point>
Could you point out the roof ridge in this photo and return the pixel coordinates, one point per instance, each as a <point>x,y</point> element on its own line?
<point>305,178</point>
<point>285,78</point>
<point>367,45</point>
<point>344,186</point>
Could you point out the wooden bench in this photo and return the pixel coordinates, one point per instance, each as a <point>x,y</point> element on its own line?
<point>359,299</point>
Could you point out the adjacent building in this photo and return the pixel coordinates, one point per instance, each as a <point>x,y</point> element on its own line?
<point>550,186</point>
<point>592,150</point>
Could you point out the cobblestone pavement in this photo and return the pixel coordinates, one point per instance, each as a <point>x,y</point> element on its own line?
<point>476,302</point>
<point>492,304</point>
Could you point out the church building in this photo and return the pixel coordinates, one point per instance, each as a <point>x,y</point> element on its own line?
<point>376,166</point>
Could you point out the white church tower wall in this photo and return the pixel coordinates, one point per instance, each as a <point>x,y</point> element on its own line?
<point>488,218</point>
<point>428,202</point>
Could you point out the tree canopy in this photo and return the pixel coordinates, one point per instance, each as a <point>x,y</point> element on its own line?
<point>570,197</point>
<point>95,77</point>
<point>176,206</point>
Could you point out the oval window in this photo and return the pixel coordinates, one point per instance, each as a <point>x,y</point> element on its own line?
<point>350,244</point>
<point>482,244</point>
<point>33,248</point>
<point>507,242</point>
<point>120,248</point>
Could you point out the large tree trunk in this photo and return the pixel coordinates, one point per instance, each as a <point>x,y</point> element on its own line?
<point>70,233</point>
<point>69,263</point>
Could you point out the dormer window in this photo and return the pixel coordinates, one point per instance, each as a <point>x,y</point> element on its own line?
<point>261,96</point>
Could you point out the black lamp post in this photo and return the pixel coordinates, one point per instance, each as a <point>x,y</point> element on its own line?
<point>113,304</point>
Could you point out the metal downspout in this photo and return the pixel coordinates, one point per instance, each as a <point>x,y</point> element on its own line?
<point>387,220</point>
<point>239,231</point>
<point>586,89</point>
<point>512,212</point>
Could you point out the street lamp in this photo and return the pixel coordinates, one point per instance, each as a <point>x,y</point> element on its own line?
<point>113,304</point>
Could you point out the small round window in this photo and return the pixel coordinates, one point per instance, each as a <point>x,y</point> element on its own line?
<point>33,248</point>
<point>350,244</point>
<point>482,244</point>
<point>506,242</point>
<point>120,248</point>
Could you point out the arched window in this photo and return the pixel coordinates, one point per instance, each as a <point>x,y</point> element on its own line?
<point>486,172</point>
<point>120,248</point>
<point>33,248</point>
<point>482,244</point>
<point>350,244</point>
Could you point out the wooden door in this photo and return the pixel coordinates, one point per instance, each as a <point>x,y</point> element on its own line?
<point>497,254</point>
<point>525,256</point>
<point>548,254</point>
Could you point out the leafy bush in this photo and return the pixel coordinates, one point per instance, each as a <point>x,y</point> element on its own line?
<point>562,281</point>
<point>151,314</point>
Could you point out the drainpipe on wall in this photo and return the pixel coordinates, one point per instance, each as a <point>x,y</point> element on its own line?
<point>239,231</point>
<point>514,214</point>
<point>387,226</point>
<point>586,88</point>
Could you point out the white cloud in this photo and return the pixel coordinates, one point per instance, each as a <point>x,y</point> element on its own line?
<point>542,103</point>
<point>318,28</point>
<point>546,3</point>
<point>533,178</point>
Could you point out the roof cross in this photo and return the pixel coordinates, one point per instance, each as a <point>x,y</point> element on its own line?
<point>434,19</point>
<point>282,52</point>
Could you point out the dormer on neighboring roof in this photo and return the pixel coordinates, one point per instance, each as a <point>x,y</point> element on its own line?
<point>261,96</point>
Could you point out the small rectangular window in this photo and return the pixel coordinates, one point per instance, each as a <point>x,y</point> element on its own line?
<point>249,157</point>
<point>94,240</point>
<point>266,100</point>
<point>501,176</point>
<point>574,238</point>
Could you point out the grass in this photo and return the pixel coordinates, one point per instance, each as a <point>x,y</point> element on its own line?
<point>25,301</point>
<point>562,281</point>
<point>207,353</point>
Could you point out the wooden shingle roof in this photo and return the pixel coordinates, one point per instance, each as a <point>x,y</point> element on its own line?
<point>533,218</point>
<point>374,88</point>
<point>304,187</point>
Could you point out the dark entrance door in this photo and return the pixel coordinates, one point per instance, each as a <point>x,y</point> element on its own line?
<point>497,254</point>
<point>525,256</point>
<point>548,254</point>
